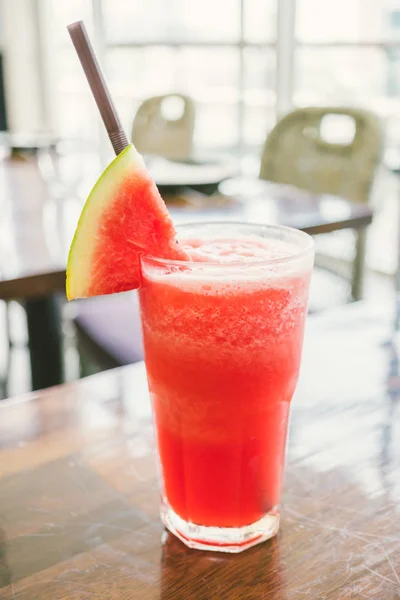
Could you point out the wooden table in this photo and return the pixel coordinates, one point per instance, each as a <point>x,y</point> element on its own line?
<point>36,230</point>
<point>79,503</point>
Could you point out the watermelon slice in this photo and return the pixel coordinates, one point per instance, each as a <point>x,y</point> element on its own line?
<point>124,217</point>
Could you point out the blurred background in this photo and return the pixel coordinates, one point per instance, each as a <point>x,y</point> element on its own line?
<point>240,66</point>
<point>243,62</point>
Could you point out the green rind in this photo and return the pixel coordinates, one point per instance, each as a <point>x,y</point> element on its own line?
<point>100,193</point>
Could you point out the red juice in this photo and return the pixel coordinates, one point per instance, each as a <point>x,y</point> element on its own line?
<point>223,338</point>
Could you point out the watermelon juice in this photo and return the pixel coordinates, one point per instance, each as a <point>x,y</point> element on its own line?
<point>223,337</point>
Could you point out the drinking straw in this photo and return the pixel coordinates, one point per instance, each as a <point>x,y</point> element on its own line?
<point>98,85</point>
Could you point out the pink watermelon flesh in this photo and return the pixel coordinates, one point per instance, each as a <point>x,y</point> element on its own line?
<point>133,220</point>
<point>134,224</point>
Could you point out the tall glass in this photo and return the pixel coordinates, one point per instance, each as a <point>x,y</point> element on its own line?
<point>222,351</point>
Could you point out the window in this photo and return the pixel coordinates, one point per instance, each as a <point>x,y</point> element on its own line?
<point>202,49</point>
<point>73,109</point>
<point>221,53</point>
<point>171,21</point>
<point>348,52</point>
<point>224,55</point>
<point>350,21</point>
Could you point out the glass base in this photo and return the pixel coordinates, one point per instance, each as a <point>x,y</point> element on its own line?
<point>221,539</point>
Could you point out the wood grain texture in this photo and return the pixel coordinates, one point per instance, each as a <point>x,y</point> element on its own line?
<point>36,229</point>
<point>79,500</point>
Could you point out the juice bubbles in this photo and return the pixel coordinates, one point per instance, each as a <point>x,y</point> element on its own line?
<point>223,338</point>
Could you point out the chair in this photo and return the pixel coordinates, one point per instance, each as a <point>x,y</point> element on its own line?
<point>296,152</point>
<point>164,125</point>
<point>108,332</point>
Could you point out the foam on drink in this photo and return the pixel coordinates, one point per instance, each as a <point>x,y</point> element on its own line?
<point>252,263</point>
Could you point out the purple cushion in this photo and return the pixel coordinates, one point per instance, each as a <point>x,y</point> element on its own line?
<point>113,323</point>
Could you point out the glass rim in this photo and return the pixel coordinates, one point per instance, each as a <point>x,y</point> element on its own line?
<point>299,253</point>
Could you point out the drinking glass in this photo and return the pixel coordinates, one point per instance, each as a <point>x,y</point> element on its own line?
<point>222,345</point>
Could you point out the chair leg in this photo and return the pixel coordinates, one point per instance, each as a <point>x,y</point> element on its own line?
<point>4,379</point>
<point>86,365</point>
<point>357,281</point>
